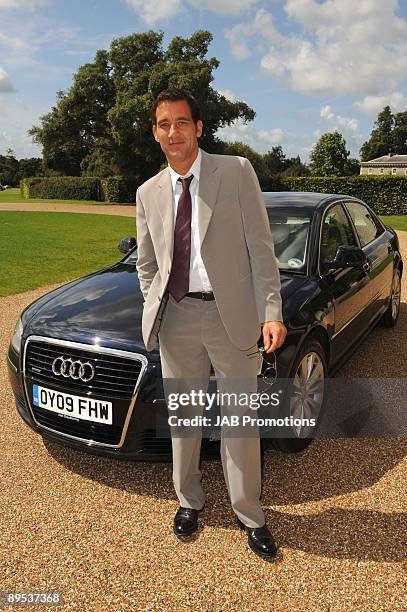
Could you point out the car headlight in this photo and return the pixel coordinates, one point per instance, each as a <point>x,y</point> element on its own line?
<point>16,338</point>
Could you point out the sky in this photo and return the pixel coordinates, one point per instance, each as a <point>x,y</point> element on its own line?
<point>306,67</point>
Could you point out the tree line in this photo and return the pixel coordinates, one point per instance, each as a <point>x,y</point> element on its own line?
<point>101,126</point>
<point>13,170</point>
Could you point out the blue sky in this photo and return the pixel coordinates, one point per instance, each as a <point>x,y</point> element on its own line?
<point>305,66</point>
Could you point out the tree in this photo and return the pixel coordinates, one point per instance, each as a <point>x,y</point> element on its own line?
<point>275,160</point>
<point>388,135</point>
<point>8,168</point>
<point>29,167</point>
<point>295,167</point>
<point>278,163</point>
<point>352,167</point>
<point>329,155</point>
<point>400,133</point>
<point>102,124</point>
<point>244,150</point>
<point>12,170</point>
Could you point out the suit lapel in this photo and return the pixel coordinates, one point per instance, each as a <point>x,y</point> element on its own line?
<point>209,178</point>
<point>166,209</point>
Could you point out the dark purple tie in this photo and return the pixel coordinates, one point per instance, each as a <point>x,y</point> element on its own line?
<point>178,284</point>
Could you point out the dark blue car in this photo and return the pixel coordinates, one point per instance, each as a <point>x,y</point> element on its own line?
<point>81,375</point>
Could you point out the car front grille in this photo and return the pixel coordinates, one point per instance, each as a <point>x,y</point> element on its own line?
<point>117,379</point>
<point>115,376</point>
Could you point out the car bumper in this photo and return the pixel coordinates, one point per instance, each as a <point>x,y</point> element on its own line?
<point>141,442</point>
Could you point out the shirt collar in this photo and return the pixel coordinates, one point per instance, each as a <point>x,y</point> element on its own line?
<point>194,169</point>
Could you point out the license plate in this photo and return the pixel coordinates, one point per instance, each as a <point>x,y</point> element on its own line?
<point>74,406</point>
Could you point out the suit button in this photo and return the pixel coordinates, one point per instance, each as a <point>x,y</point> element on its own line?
<point>169,272</point>
<point>159,299</point>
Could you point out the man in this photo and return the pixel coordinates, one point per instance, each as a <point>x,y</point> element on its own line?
<point>210,279</point>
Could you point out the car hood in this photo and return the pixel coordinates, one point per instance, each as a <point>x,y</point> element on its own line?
<point>105,308</point>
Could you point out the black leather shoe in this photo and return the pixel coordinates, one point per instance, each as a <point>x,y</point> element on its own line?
<point>260,540</point>
<point>185,521</point>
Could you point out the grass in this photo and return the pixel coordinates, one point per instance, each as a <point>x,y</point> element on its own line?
<point>13,195</point>
<point>397,222</point>
<point>41,248</point>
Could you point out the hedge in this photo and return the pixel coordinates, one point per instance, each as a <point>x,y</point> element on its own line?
<point>386,195</point>
<point>120,188</point>
<point>26,185</point>
<point>62,188</point>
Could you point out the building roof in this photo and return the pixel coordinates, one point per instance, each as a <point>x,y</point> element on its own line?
<point>387,159</point>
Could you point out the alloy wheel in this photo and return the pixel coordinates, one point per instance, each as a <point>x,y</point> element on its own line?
<point>308,392</point>
<point>395,295</point>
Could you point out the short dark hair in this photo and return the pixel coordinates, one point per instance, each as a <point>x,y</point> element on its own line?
<point>173,94</point>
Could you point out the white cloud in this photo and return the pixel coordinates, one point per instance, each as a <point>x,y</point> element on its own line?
<point>224,7</point>
<point>5,83</point>
<point>344,47</point>
<point>372,105</point>
<point>18,117</point>
<point>16,43</point>
<point>260,140</point>
<point>155,10</point>
<point>261,25</point>
<point>13,4</point>
<point>229,95</point>
<point>238,46</point>
<point>348,124</point>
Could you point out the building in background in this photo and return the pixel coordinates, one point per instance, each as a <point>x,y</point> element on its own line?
<point>387,164</point>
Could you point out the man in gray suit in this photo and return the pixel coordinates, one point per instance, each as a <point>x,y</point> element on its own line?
<point>211,286</point>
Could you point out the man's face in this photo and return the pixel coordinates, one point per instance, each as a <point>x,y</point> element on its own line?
<point>176,132</point>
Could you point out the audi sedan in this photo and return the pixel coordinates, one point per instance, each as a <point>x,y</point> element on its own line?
<point>81,375</point>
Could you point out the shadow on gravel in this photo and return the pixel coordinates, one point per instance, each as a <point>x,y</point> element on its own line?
<point>344,534</point>
<point>326,469</point>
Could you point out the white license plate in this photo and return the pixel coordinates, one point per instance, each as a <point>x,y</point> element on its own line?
<point>73,406</point>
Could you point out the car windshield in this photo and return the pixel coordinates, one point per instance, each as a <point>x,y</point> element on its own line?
<point>290,230</point>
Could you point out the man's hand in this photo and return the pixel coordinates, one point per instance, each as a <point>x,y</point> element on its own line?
<point>274,334</point>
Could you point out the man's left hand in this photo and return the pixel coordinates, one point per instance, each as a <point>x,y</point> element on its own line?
<point>274,334</point>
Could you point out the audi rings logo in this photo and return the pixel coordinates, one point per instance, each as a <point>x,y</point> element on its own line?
<point>70,368</point>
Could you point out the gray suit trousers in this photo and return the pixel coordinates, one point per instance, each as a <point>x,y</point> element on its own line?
<point>191,337</point>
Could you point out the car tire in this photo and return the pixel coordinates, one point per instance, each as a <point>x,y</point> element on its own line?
<point>311,350</point>
<point>390,316</point>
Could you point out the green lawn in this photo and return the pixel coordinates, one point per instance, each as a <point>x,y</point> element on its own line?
<point>40,248</point>
<point>397,222</point>
<point>14,195</point>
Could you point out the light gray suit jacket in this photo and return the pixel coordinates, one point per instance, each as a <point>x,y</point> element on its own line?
<point>236,247</point>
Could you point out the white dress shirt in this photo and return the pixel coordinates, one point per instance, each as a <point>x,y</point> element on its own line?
<point>198,278</point>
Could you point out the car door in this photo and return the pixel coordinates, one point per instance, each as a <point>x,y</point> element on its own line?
<point>349,287</point>
<point>374,241</point>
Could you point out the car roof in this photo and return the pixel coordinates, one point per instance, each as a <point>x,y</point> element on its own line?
<point>300,199</point>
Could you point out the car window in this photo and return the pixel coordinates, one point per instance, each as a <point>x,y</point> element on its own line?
<point>290,232</point>
<point>336,231</point>
<point>365,225</point>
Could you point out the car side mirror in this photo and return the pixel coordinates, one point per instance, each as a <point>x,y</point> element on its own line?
<point>347,256</point>
<point>127,244</point>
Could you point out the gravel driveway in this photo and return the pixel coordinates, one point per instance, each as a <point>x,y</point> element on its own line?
<point>100,530</point>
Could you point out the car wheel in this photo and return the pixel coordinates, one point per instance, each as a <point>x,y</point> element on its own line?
<point>308,375</point>
<point>390,316</point>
